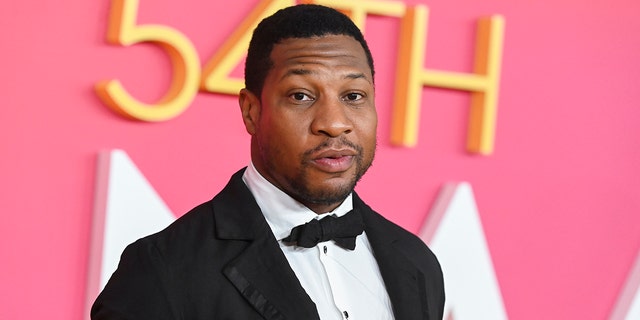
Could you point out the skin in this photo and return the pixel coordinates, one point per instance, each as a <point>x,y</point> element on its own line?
<point>314,126</point>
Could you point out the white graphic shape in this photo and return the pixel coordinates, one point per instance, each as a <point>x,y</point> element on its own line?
<point>126,208</point>
<point>454,232</point>
<point>628,305</point>
<point>134,210</point>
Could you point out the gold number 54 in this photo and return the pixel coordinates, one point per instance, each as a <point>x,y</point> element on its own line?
<point>188,77</point>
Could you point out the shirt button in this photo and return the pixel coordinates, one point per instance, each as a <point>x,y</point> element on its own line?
<point>325,249</point>
<point>346,314</point>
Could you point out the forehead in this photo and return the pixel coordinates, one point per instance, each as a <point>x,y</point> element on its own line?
<point>329,50</point>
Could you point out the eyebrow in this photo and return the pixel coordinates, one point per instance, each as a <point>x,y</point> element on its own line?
<point>301,72</point>
<point>356,76</point>
<point>296,72</point>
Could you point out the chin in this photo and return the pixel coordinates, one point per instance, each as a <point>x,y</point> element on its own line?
<point>330,194</point>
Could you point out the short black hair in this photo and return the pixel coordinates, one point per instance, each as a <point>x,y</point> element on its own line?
<point>301,21</point>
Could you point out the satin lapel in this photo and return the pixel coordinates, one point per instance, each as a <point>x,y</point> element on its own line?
<point>260,272</point>
<point>264,277</point>
<point>404,282</point>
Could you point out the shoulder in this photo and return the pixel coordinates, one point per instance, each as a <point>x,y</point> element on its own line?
<point>393,246</point>
<point>177,242</point>
<point>192,224</point>
<point>202,223</point>
<point>382,230</point>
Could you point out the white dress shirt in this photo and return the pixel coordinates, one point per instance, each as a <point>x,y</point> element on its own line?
<point>343,284</point>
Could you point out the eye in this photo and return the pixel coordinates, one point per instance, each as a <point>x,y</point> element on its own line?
<point>299,96</point>
<point>353,96</point>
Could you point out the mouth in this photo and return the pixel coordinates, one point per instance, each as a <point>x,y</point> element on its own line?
<point>334,160</point>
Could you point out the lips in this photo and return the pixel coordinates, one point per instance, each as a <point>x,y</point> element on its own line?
<point>334,160</point>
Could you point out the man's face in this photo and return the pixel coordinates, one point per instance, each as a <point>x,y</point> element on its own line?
<point>314,127</point>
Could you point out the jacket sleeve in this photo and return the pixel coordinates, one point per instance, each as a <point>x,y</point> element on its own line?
<point>136,290</point>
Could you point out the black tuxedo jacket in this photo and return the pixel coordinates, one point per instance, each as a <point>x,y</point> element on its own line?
<point>221,261</point>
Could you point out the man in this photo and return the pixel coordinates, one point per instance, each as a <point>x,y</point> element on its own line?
<point>309,108</point>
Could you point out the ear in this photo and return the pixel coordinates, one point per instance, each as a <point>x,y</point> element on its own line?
<point>250,108</point>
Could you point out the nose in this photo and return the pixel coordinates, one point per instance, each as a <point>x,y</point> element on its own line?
<point>331,119</point>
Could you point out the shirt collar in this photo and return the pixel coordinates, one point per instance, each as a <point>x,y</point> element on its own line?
<point>280,210</point>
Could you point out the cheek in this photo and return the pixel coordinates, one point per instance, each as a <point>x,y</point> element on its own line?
<point>286,137</point>
<point>293,128</point>
<point>368,128</point>
<point>369,138</point>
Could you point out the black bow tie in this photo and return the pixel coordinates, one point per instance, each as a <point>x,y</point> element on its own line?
<point>343,231</point>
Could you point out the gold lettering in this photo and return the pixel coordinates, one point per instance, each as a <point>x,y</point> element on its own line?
<point>483,82</point>
<point>123,30</point>
<point>358,10</point>
<point>216,75</point>
<point>411,75</point>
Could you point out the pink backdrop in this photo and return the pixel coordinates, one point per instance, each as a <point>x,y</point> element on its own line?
<point>559,198</point>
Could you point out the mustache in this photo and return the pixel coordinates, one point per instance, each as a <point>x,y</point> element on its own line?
<point>333,143</point>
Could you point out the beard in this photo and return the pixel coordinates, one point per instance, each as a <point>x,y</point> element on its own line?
<point>327,196</point>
